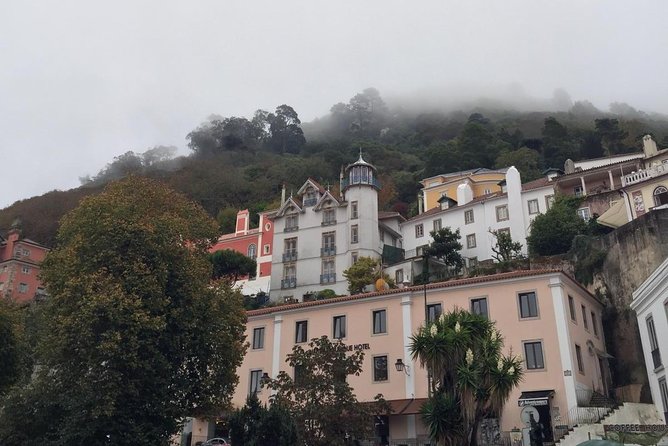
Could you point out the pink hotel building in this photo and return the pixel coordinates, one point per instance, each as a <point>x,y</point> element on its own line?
<point>544,316</point>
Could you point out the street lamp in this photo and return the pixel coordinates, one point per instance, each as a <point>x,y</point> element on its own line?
<point>401,367</point>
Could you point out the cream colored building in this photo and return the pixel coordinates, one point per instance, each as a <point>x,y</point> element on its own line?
<point>544,316</point>
<point>482,182</point>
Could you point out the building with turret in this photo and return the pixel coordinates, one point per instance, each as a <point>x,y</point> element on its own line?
<point>20,260</point>
<point>318,234</point>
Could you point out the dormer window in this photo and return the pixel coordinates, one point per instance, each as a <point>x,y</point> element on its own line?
<point>310,197</point>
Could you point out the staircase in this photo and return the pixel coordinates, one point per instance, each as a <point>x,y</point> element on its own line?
<point>627,413</point>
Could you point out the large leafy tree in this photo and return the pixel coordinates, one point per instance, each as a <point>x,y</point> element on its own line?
<point>446,247</point>
<point>471,379</point>
<point>10,346</point>
<point>366,271</point>
<point>286,134</point>
<point>258,425</point>
<point>553,232</point>
<point>137,337</point>
<point>231,265</point>
<point>319,398</point>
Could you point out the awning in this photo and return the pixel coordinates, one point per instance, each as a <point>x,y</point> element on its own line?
<point>535,398</point>
<point>407,406</point>
<point>615,216</point>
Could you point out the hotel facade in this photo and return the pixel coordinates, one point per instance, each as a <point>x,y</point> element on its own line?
<point>544,316</point>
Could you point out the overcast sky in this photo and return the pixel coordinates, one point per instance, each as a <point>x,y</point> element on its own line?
<point>83,81</point>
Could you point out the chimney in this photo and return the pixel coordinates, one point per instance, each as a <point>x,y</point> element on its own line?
<point>420,207</point>
<point>464,194</point>
<point>242,222</point>
<point>341,177</point>
<point>283,194</point>
<point>649,146</point>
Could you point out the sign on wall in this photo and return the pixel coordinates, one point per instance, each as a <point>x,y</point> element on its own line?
<point>638,203</point>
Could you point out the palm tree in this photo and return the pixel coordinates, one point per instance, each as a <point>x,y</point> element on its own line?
<point>471,378</point>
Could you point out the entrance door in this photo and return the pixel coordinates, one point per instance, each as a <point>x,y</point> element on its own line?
<point>546,423</point>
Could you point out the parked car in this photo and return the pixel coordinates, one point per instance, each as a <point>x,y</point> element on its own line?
<point>219,441</point>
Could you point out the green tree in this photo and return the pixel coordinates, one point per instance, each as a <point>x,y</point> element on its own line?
<point>611,134</point>
<point>553,232</point>
<point>227,220</point>
<point>286,134</point>
<point>446,247</point>
<point>558,146</point>
<point>471,378</point>
<point>10,346</point>
<point>365,272</point>
<point>319,398</point>
<point>231,265</point>
<point>137,338</point>
<point>527,161</point>
<point>258,425</point>
<point>505,249</point>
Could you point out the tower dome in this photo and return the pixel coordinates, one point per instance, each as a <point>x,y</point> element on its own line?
<point>360,173</point>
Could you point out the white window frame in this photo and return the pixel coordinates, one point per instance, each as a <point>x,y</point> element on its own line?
<point>469,216</point>
<point>419,230</point>
<point>470,241</point>
<point>535,209</point>
<point>354,234</point>
<point>502,213</point>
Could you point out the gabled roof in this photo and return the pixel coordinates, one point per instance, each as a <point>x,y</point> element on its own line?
<point>323,199</point>
<point>292,201</point>
<point>537,184</point>
<point>463,173</point>
<point>437,209</point>
<point>383,215</point>
<point>313,183</point>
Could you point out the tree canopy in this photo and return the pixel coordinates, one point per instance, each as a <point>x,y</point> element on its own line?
<point>137,337</point>
<point>319,398</point>
<point>365,271</point>
<point>553,232</point>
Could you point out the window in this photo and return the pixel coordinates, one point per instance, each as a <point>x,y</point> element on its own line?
<point>578,356</point>
<point>301,331</point>
<point>258,338</point>
<point>289,276</point>
<point>584,213</point>
<point>533,207</point>
<point>328,274</point>
<point>419,230</point>
<point>379,322</point>
<point>291,222</point>
<point>571,308</point>
<point>503,231</point>
<point>420,250</point>
<point>290,249</point>
<point>578,191</point>
<point>339,327</point>
<point>354,234</point>
<point>487,191</point>
<point>252,251</point>
<point>433,312</point>
<point>328,244</point>
<point>255,382</point>
<point>479,306</point>
<point>399,276</point>
<point>23,288</point>
<point>502,213</point>
<point>353,257</point>
<point>593,323</point>
<point>353,210</point>
<point>549,201</point>
<point>473,262</point>
<point>468,217</point>
<point>533,355</point>
<point>380,368</point>
<point>653,342</point>
<point>328,217</point>
<point>25,269</point>
<point>663,390</point>
<point>528,305</point>
<point>470,241</point>
<point>437,224</point>
<point>266,248</point>
<point>660,195</point>
<point>585,322</point>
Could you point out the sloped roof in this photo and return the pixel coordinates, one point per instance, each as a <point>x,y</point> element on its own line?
<point>537,184</point>
<point>383,215</point>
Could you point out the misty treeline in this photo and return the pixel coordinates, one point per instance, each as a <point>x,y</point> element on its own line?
<point>243,162</point>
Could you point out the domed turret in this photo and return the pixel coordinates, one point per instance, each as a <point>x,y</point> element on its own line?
<point>360,173</point>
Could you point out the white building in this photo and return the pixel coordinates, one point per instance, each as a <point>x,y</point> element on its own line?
<point>510,210</point>
<point>318,235</point>
<point>650,302</point>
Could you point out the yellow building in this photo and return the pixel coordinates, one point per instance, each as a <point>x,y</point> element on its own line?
<point>482,181</point>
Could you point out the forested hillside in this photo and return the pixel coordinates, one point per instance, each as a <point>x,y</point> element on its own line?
<point>239,162</point>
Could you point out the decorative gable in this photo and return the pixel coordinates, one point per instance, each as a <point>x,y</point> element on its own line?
<point>290,206</point>
<point>326,200</point>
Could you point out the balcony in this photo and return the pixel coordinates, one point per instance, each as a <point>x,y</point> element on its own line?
<point>374,182</point>
<point>328,251</point>
<point>289,256</point>
<point>328,222</point>
<point>290,282</point>
<point>328,278</point>
<point>644,174</point>
<point>291,228</point>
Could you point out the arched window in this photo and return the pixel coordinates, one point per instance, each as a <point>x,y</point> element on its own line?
<point>660,196</point>
<point>252,251</point>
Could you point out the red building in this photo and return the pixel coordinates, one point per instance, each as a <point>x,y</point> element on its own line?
<point>20,260</point>
<point>256,243</point>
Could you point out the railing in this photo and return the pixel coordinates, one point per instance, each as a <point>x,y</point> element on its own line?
<point>328,251</point>
<point>642,175</point>
<point>346,182</point>
<point>328,278</point>
<point>328,222</point>
<point>291,228</point>
<point>289,256</point>
<point>591,409</point>
<point>421,440</point>
<point>290,282</point>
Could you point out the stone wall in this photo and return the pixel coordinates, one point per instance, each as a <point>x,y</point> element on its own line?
<point>634,251</point>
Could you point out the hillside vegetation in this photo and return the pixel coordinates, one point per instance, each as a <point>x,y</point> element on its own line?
<point>239,162</point>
